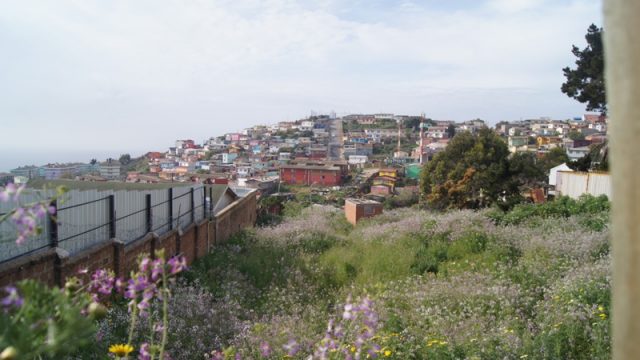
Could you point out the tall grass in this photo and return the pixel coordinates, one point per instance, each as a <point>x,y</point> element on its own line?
<point>530,283</point>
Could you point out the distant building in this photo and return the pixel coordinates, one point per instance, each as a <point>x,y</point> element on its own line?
<point>357,209</point>
<point>311,175</point>
<point>29,172</point>
<point>227,158</point>
<point>358,159</point>
<point>110,169</point>
<point>58,171</point>
<point>578,152</point>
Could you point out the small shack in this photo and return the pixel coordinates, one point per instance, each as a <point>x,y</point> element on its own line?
<point>356,209</point>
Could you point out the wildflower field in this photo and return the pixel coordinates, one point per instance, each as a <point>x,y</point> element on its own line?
<point>410,284</point>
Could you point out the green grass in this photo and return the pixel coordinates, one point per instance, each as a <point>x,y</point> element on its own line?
<point>495,289</point>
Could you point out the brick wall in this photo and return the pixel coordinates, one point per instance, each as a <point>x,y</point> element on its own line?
<point>235,218</point>
<point>54,266</point>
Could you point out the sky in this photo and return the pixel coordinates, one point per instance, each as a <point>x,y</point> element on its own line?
<point>81,79</point>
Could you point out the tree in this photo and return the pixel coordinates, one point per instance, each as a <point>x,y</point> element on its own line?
<point>585,83</point>
<point>93,161</point>
<point>125,159</point>
<point>526,171</point>
<point>451,131</point>
<point>576,135</point>
<point>473,171</point>
<point>553,158</point>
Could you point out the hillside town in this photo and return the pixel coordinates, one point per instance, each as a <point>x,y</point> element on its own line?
<point>322,151</point>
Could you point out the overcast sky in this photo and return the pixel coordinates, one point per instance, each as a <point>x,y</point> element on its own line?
<point>82,79</point>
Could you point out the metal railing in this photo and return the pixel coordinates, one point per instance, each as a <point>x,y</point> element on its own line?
<point>125,215</point>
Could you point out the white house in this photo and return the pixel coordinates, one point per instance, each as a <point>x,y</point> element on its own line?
<point>553,172</point>
<point>578,152</point>
<point>358,159</point>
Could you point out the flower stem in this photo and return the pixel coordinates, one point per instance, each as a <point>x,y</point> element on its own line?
<point>165,311</point>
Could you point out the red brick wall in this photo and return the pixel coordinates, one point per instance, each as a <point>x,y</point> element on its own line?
<point>310,177</point>
<point>39,266</point>
<point>239,215</point>
<point>53,267</point>
<point>187,243</point>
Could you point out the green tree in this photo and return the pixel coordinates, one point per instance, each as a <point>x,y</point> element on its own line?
<point>125,159</point>
<point>93,161</point>
<point>451,131</point>
<point>525,170</point>
<point>576,135</point>
<point>472,172</point>
<point>585,83</point>
<point>553,158</point>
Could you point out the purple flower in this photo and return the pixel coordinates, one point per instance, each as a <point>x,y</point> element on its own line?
<point>102,282</point>
<point>4,196</point>
<point>291,347</point>
<point>265,349</point>
<point>156,269</point>
<point>143,266</point>
<point>145,354</point>
<point>178,264</point>
<point>217,355</point>
<point>12,299</point>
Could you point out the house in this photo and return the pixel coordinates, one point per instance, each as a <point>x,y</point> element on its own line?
<point>392,173</point>
<point>517,143</point>
<point>357,209</point>
<point>317,152</point>
<point>29,172</point>
<point>358,159</point>
<point>577,152</point>
<point>57,171</point>
<point>311,175</point>
<point>553,172</point>
<point>228,158</point>
<point>437,132</point>
<point>284,156</point>
<point>244,171</point>
<point>548,141</point>
<point>110,169</point>
<point>594,118</point>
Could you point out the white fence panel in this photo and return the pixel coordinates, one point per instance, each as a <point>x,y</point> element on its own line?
<point>574,184</point>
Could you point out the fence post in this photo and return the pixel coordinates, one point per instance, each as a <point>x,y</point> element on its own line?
<point>149,219</point>
<point>210,203</point>
<point>204,202</point>
<point>112,217</point>
<point>53,225</point>
<point>170,209</point>
<point>193,214</point>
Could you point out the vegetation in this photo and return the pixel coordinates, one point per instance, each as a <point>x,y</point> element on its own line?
<point>472,172</point>
<point>585,83</point>
<point>532,282</point>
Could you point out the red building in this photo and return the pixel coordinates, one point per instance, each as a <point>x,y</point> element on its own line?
<point>311,175</point>
<point>357,209</point>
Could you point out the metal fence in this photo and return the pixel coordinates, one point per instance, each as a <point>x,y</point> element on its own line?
<point>89,217</point>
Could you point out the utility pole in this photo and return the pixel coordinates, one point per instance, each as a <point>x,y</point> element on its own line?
<point>421,149</point>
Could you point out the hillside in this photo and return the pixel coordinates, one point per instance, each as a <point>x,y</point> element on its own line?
<point>531,283</point>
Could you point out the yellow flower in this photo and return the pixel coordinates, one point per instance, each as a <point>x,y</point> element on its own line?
<point>387,353</point>
<point>603,316</point>
<point>120,350</point>
<point>353,349</point>
<point>600,308</point>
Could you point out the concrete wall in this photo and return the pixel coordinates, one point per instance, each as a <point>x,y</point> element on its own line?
<point>53,266</point>
<point>574,184</point>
